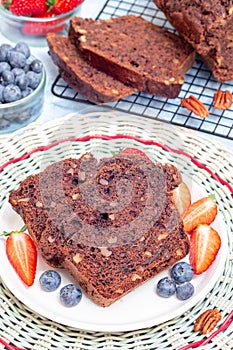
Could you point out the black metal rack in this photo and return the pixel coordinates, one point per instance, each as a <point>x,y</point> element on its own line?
<point>198,82</point>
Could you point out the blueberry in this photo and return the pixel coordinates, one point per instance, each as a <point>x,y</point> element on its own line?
<point>23,47</point>
<point>18,71</point>
<point>184,291</point>
<point>8,77</point>
<point>22,117</point>
<point>4,66</point>
<point>70,295</point>
<point>11,93</point>
<point>21,81</point>
<point>26,92</point>
<point>33,79</point>
<point>1,93</point>
<point>4,51</point>
<point>182,272</point>
<point>4,123</point>
<point>166,287</point>
<point>20,74</point>
<point>36,66</point>
<point>16,59</point>
<point>50,280</point>
<point>26,68</point>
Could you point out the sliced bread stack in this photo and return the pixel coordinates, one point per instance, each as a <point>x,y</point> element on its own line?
<point>92,83</point>
<point>111,223</point>
<point>106,60</point>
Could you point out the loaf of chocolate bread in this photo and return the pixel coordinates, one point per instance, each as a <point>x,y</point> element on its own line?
<point>111,223</point>
<point>95,85</point>
<point>134,51</point>
<point>208,27</point>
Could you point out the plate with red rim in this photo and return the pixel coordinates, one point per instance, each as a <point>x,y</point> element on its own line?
<point>105,133</point>
<point>139,309</point>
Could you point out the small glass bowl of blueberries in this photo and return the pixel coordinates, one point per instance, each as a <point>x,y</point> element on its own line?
<point>22,85</point>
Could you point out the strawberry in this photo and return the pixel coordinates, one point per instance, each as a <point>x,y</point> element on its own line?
<point>42,28</point>
<point>132,150</point>
<point>182,197</point>
<point>26,8</point>
<point>205,243</point>
<point>22,254</point>
<point>202,211</point>
<point>63,6</point>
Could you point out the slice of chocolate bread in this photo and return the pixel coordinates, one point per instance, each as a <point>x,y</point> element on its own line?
<point>112,224</point>
<point>208,27</point>
<point>135,52</point>
<point>39,195</point>
<point>95,85</point>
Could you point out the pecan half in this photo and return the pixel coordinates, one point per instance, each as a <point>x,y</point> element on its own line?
<point>194,105</point>
<point>207,321</point>
<point>222,99</point>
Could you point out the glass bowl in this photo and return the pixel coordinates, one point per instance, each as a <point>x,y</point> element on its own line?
<point>17,114</point>
<point>33,30</point>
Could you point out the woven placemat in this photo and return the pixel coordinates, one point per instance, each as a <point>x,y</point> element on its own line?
<point>205,161</point>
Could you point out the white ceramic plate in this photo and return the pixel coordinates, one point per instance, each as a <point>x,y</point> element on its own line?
<point>139,309</point>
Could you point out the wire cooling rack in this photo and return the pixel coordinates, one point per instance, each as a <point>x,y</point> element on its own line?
<point>199,82</point>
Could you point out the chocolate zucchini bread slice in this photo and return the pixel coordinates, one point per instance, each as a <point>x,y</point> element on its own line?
<point>134,51</point>
<point>208,27</point>
<point>111,223</point>
<point>95,85</point>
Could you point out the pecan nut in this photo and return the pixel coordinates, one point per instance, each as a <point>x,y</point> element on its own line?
<point>194,105</point>
<point>207,321</point>
<point>222,99</point>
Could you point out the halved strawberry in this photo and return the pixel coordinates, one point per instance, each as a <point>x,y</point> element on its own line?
<point>205,243</point>
<point>22,254</point>
<point>182,197</point>
<point>132,150</point>
<point>202,211</point>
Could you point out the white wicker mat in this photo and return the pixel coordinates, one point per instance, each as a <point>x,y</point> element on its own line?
<point>23,327</point>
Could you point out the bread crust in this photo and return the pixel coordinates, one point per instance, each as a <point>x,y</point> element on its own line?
<point>95,85</point>
<point>134,51</point>
<point>208,27</point>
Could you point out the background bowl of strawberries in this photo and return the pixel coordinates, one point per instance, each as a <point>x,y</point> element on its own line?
<point>30,21</point>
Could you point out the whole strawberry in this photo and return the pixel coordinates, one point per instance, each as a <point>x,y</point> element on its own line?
<point>26,7</point>
<point>42,28</point>
<point>63,6</point>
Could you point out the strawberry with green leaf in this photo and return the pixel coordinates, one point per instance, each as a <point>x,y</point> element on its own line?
<point>205,243</point>
<point>63,6</point>
<point>26,8</point>
<point>22,254</point>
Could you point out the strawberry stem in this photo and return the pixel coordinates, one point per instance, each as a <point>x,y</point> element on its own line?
<point>6,234</point>
<point>212,196</point>
<point>50,4</point>
<point>6,4</point>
